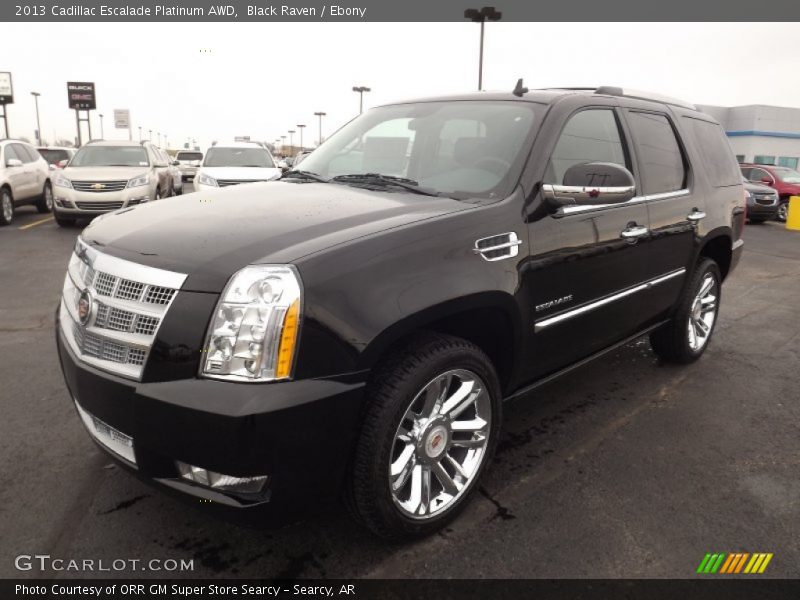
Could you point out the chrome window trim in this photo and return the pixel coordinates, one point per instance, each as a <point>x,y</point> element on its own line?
<point>544,323</point>
<point>571,210</point>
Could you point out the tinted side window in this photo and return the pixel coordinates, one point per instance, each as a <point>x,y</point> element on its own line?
<point>718,159</point>
<point>589,136</point>
<point>660,158</point>
<point>22,153</point>
<point>759,175</point>
<point>10,154</point>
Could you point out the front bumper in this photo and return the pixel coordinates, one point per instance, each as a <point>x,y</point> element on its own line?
<point>299,433</point>
<point>73,203</point>
<point>187,171</point>
<point>761,210</point>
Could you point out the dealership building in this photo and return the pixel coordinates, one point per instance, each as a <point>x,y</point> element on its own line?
<point>768,135</point>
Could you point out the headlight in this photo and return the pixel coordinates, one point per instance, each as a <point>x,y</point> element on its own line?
<point>253,333</point>
<point>206,180</point>
<point>139,181</point>
<point>61,181</point>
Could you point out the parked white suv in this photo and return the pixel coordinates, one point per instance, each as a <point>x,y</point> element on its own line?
<point>188,162</point>
<point>108,175</point>
<point>24,179</point>
<point>235,163</point>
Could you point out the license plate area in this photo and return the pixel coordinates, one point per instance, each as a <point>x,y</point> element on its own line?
<point>112,439</point>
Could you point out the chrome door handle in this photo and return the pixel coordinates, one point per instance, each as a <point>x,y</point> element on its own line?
<point>633,232</point>
<point>695,216</point>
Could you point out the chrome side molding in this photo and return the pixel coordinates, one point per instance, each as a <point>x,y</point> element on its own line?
<point>544,323</point>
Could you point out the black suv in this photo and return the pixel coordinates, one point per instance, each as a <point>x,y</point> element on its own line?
<point>356,326</point>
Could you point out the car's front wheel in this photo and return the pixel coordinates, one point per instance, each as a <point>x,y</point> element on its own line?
<point>430,427</point>
<point>783,212</point>
<point>6,207</point>
<point>685,337</point>
<point>45,202</point>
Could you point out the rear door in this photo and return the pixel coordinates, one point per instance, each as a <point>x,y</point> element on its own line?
<point>674,205</point>
<point>25,176</point>
<point>584,277</point>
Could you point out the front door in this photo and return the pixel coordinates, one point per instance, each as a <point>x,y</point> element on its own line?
<point>587,263</point>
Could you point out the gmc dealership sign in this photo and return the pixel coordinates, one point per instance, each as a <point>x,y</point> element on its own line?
<point>81,95</point>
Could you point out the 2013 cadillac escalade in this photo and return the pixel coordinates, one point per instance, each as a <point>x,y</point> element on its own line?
<point>355,327</point>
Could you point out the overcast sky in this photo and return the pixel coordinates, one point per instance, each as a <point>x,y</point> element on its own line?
<point>216,81</point>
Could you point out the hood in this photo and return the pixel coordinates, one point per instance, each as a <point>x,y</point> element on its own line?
<point>254,173</point>
<point>209,235</point>
<point>104,173</point>
<point>758,188</point>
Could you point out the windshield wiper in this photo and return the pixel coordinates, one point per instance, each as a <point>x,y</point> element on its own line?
<point>386,180</point>
<point>300,174</point>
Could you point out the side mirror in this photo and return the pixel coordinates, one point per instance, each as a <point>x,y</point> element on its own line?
<point>13,162</point>
<point>767,181</point>
<point>52,167</point>
<point>590,184</point>
<point>62,163</point>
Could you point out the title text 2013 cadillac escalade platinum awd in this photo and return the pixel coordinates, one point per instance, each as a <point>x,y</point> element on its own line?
<point>356,326</point>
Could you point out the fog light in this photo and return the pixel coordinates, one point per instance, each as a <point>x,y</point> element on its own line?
<point>218,481</point>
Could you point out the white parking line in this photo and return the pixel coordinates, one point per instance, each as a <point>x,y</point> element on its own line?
<point>35,223</point>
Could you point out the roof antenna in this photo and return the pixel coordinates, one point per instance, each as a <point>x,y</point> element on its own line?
<point>519,89</point>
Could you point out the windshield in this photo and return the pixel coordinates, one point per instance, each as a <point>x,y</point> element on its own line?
<point>110,156</point>
<point>189,156</point>
<point>469,147</point>
<point>53,156</point>
<point>788,175</point>
<point>238,157</point>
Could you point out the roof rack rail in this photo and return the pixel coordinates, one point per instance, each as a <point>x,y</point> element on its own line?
<point>609,90</point>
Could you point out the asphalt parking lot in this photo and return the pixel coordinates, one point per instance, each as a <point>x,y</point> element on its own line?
<point>628,468</point>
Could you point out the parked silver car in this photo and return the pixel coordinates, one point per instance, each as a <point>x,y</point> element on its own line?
<point>24,179</point>
<point>108,175</point>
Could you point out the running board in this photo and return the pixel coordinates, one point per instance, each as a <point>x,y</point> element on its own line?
<point>582,362</point>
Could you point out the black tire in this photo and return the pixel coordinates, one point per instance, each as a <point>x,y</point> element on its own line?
<point>671,342</point>
<point>45,203</point>
<point>63,221</point>
<point>783,212</point>
<point>158,194</point>
<point>394,385</point>
<point>6,206</point>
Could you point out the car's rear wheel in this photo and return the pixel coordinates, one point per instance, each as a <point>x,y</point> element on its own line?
<point>431,425</point>
<point>63,221</point>
<point>6,207</point>
<point>783,212</point>
<point>45,203</point>
<point>686,336</point>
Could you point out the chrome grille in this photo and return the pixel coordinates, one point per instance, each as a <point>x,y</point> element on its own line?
<point>99,205</point>
<point>100,186</point>
<point>129,302</point>
<point>227,182</point>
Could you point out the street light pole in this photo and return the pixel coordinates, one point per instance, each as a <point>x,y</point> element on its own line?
<point>38,125</point>
<point>159,138</point>
<point>360,89</point>
<point>291,139</point>
<point>140,133</point>
<point>301,127</point>
<point>102,134</point>
<point>487,13</point>
<point>320,115</point>
<point>283,145</point>
<point>149,135</point>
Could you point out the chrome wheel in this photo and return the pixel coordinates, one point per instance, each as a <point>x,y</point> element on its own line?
<point>783,211</point>
<point>703,313</point>
<point>8,207</point>
<point>48,198</point>
<point>440,444</point>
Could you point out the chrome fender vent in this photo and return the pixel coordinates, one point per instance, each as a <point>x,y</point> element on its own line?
<point>498,247</point>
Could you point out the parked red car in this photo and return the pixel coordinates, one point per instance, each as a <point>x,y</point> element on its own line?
<point>783,180</point>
